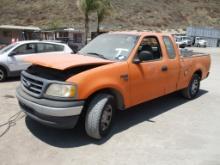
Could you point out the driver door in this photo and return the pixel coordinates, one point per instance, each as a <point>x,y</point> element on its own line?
<point>147,79</point>
<point>16,58</point>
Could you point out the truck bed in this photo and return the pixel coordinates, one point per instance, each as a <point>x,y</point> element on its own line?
<point>185,53</point>
<point>190,62</point>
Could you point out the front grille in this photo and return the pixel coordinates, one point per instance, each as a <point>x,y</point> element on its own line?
<point>32,84</point>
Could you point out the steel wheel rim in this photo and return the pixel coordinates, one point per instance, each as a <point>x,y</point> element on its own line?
<point>195,86</point>
<point>1,75</point>
<point>106,117</point>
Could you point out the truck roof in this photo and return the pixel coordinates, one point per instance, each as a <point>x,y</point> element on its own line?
<point>39,41</point>
<point>139,33</point>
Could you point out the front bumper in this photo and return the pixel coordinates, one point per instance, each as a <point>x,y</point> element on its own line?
<point>60,114</point>
<point>203,44</point>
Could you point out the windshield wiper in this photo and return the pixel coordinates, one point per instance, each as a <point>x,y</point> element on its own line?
<point>97,54</point>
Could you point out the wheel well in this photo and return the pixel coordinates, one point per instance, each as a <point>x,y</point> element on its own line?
<point>199,72</point>
<point>119,98</point>
<point>3,68</point>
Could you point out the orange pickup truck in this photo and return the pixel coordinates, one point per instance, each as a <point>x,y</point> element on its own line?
<point>113,72</point>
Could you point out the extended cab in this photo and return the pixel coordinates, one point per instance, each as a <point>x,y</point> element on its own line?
<point>113,72</point>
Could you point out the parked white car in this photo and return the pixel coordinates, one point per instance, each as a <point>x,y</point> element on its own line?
<point>183,41</point>
<point>200,42</point>
<point>11,57</point>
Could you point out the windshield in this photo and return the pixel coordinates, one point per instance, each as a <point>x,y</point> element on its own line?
<point>7,48</point>
<point>200,39</point>
<point>111,46</point>
<point>183,38</point>
<point>178,39</point>
<point>187,38</point>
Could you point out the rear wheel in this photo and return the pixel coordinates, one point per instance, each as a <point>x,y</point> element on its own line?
<point>193,88</point>
<point>100,116</point>
<point>3,74</point>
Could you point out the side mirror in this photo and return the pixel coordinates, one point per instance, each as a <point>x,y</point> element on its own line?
<point>12,53</point>
<point>143,56</point>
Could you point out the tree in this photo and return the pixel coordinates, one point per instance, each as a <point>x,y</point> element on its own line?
<point>103,10</point>
<point>86,7</point>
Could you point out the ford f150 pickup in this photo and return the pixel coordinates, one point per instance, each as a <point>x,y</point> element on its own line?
<point>113,72</point>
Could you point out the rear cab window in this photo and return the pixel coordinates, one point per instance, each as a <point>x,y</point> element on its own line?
<point>169,47</point>
<point>46,47</point>
<point>59,47</point>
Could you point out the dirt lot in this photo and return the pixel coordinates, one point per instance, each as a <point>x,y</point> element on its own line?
<point>166,131</point>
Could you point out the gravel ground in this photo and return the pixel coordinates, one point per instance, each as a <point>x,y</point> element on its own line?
<point>166,131</point>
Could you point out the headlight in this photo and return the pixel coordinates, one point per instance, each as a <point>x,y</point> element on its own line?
<point>61,90</point>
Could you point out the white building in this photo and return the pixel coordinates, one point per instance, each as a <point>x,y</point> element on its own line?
<point>211,35</point>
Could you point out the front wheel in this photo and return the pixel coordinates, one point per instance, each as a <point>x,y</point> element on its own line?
<point>193,88</point>
<point>100,116</point>
<point>3,74</point>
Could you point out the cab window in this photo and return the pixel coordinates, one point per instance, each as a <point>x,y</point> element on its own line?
<point>25,49</point>
<point>49,48</point>
<point>151,45</point>
<point>44,47</point>
<point>169,47</point>
<point>59,47</point>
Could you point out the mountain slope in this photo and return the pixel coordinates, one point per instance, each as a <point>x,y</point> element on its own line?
<point>127,14</point>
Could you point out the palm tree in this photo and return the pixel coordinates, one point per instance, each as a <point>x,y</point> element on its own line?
<point>103,10</point>
<point>86,7</point>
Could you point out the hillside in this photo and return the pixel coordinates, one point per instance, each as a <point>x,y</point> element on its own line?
<point>127,14</point>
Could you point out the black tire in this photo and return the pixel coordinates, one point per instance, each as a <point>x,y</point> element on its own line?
<point>98,109</point>
<point>193,88</point>
<point>3,74</point>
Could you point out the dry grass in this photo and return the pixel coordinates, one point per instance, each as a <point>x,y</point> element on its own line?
<point>128,14</point>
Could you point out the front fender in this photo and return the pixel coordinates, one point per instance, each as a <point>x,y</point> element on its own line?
<point>103,77</point>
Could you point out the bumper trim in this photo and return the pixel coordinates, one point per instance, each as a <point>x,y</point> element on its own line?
<point>51,111</point>
<point>68,122</point>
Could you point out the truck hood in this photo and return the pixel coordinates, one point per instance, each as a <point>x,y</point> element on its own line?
<point>65,61</point>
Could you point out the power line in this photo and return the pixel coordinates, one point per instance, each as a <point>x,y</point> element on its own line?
<point>11,122</point>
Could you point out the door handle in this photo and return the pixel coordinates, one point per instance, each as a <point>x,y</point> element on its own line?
<point>164,68</point>
<point>124,77</point>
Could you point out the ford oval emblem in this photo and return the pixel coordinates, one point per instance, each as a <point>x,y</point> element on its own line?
<point>27,84</point>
